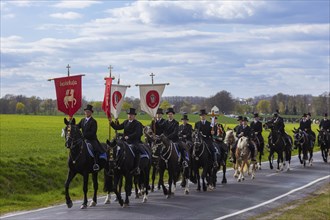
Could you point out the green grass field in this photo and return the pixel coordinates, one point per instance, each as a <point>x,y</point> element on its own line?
<point>33,159</point>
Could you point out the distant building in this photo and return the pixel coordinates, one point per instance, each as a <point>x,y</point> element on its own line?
<point>215,109</point>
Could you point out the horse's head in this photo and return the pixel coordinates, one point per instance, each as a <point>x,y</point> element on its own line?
<point>72,133</point>
<point>269,125</point>
<point>230,137</point>
<point>197,140</point>
<point>242,146</point>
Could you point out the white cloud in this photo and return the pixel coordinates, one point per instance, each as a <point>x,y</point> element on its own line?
<point>67,15</point>
<point>75,4</point>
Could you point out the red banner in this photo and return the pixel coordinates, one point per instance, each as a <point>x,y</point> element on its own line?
<point>68,94</point>
<point>106,105</point>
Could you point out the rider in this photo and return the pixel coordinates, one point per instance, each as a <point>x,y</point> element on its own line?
<point>185,130</point>
<point>279,126</point>
<point>204,127</point>
<point>233,150</point>
<point>88,126</point>
<point>132,135</point>
<point>171,130</point>
<point>245,131</point>
<point>306,126</point>
<point>324,125</point>
<point>256,127</point>
<point>157,125</point>
<point>219,131</point>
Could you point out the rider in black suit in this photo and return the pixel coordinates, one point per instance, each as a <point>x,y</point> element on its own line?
<point>205,128</point>
<point>157,124</point>
<point>132,135</point>
<point>88,126</point>
<point>256,127</point>
<point>245,131</point>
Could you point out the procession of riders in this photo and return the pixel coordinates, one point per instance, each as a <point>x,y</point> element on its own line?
<point>183,135</point>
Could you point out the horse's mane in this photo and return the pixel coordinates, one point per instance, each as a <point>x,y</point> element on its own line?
<point>242,143</point>
<point>230,137</point>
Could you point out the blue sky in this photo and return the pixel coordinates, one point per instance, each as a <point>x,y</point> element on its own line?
<point>247,48</point>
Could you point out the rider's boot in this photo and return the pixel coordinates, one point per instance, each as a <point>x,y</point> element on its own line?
<point>136,170</point>
<point>96,166</point>
<point>215,158</point>
<point>252,149</point>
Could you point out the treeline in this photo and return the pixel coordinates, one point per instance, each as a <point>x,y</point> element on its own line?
<point>286,104</point>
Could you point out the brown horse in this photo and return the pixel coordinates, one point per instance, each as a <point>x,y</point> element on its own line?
<point>243,159</point>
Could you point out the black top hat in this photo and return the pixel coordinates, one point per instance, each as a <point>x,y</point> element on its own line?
<point>160,111</point>
<point>245,119</point>
<point>240,118</point>
<point>256,115</point>
<point>309,114</point>
<point>304,115</point>
<point>170,110</point>
<point>202,112</point>
<point>275,114</point>
<point>185,117</point>
<point>89,108</point>
<point>325,114</point>
<point>131,111</point>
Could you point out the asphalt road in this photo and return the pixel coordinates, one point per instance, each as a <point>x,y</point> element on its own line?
<point>234,200</point>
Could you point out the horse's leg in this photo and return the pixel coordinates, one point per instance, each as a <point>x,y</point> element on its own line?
<point>170,179</point>
<point>153,177</point>
<point>198,178</point>
<point>85,189</point>
<point>270,158</point>
<point>69,178</point>
<point>311,156</point>
<point>96,187</point>
<point>161,180</point>
<point>128,188</point>
<point>146,183</point>
<point>137,186</point>
<point>224,170</point>
<point>117,183</point>
<point>204,174</point>
<point>299,154</point>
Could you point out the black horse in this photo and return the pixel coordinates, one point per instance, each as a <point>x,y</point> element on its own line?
<point>260,147</point>
<point>155,147</point>
<point>222,156</point>
<point>169,160</point>
<point>304,145</point>
<point>80,162</point>
<point>276,144</point>
<point>201,158</point>
<point>122,167</point>
<point>324,142</point>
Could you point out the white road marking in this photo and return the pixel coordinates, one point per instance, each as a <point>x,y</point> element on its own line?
<point>272,200</point>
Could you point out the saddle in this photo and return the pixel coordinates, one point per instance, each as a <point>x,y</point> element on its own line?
<point>91,149</point>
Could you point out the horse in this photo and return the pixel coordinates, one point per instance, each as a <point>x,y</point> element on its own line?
<point>124,164</point>
<point>277,145</point>
<point>242,159</point>
<point>304,145</point>
<point>222,155</point>
<point>201,158</point>
<point>155,152</point>
<point>260,147</point>
<point>169,160</point>
<point>80,162</point>
<point>324,143</point>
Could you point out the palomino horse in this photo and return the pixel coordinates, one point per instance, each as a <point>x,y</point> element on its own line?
<point>80,162</point>
<point>277,145</point>
<point>169,160</point>
<point>324,142</point>
<point>304,145</point>
<point>243,159</point>
<point>201,158</point>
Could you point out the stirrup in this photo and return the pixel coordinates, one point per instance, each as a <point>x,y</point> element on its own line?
<point>96,167</point>
<point>184,164</point>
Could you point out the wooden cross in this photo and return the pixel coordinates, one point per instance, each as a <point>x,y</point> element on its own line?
<point>152,78</point>
<point>68,67</point>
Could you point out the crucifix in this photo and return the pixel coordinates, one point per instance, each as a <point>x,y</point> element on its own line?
<point>110,68</point>
<point>68,67</point>
<point>152,78</point>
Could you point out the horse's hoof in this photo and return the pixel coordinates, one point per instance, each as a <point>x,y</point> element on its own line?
<point>92,204</point>
<point>125,205</point>
<point>69,204</point>
<point>238,180</point>
<point>168,196</point>
<point>224,181</point>
<point>83,206</point>
<point>186,192</point>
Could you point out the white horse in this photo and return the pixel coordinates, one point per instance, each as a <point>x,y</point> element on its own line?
<point>243,160</point>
